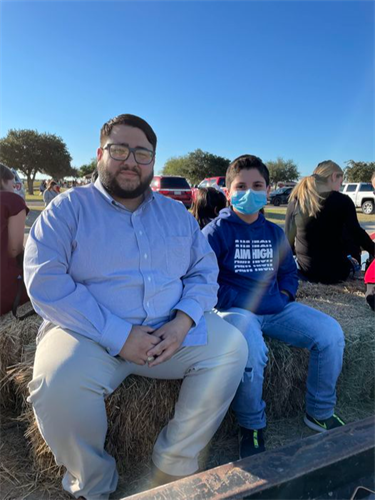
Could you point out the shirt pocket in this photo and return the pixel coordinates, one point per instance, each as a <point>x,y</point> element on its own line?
<point>178,255</point>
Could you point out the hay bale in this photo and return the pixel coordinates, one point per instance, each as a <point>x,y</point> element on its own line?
<point>137,412</point>
<point>14,335</point>
<point>140,407</point>
<point>285,379</point>
<point>346,303</point>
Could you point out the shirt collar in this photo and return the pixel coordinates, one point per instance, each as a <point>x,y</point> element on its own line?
<point>149,196</point>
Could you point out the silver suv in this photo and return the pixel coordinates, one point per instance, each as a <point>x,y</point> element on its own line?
<point>18,184</point>
<point>362,194</point>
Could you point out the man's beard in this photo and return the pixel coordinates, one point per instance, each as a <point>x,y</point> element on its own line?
<point>109,181</point>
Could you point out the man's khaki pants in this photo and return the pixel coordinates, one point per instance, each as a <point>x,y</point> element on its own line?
<point>73,374</point>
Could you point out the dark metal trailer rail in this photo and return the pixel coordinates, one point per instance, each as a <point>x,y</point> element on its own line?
<point>337,464</point>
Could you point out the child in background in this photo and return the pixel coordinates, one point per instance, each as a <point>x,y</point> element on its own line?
<point>258,283</point>
<point>207,205</point>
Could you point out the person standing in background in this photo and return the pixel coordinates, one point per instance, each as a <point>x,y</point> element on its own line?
<point>13,211</point>
<point>42,187</point>
<point>51,192</point>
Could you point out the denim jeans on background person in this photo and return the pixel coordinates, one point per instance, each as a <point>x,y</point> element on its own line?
<point>300,326</point>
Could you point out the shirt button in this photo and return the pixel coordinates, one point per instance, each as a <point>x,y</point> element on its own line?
<point>149,279</point>
<point>148,304</point>
<point>145,255</point>
<point>140,232</point>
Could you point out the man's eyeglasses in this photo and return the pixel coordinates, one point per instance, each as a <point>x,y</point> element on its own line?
<point>120,152</point>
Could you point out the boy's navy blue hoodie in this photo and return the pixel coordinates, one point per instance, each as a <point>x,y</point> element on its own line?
<point>255,262</point>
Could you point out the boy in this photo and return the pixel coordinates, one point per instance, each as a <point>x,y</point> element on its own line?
<point>258,284</point>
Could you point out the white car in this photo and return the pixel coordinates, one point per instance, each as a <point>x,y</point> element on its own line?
<point>362,194</point>
<point>18,184</point>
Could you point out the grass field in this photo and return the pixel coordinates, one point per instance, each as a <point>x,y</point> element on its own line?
<point>277,215</point>
<point>34,197</point>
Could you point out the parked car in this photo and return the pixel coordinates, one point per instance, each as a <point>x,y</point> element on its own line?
<point>18,184</point>
<point>280,196</point>
<point>174,187</point>
<point>362,194</point>
<point>216,182</point>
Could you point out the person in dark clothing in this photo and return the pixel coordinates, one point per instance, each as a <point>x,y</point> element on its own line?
<point>42,187</point>
<point>322,227</point>
<point>207,205</point>
<point>258,284</point>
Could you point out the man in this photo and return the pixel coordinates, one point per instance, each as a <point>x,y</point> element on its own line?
<point>124,279</point>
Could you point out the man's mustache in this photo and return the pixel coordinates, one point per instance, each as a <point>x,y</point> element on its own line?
<point>125,169</point>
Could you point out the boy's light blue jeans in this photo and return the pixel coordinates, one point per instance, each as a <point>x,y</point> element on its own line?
<point>300,326</point>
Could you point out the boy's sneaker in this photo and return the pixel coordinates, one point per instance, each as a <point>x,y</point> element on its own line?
<point>251,442</point>
<point>323,425</point>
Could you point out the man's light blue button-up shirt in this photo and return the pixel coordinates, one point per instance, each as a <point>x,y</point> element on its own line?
<point>96,268</point>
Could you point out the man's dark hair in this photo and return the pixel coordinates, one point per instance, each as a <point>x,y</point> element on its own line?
<point>132,121</point>
<point>246,162</point>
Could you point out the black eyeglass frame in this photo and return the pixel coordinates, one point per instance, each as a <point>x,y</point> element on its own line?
<point>131,150</point>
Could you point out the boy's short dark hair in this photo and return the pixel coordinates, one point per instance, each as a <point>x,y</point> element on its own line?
<point>246,162</point>
<point>132,121</point>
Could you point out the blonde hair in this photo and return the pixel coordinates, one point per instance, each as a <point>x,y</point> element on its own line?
<point>306,193</point>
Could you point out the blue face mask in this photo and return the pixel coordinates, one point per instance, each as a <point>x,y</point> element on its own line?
<point>248,202</point>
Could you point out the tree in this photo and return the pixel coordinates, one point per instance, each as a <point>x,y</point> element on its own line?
<point>282,171</point>
<point>31,152</point>
<point>196,165</point>
<point>88,168</point>
<point>359,171</point>
<point>74,172</point>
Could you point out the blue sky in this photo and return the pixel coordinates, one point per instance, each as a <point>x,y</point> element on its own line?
<point>291,79</point>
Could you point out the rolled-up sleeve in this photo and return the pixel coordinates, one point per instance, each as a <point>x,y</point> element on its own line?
<point>55,295</point>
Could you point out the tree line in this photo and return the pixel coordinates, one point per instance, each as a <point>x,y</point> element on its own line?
<point>199,164</point>
<point>30,152</point>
